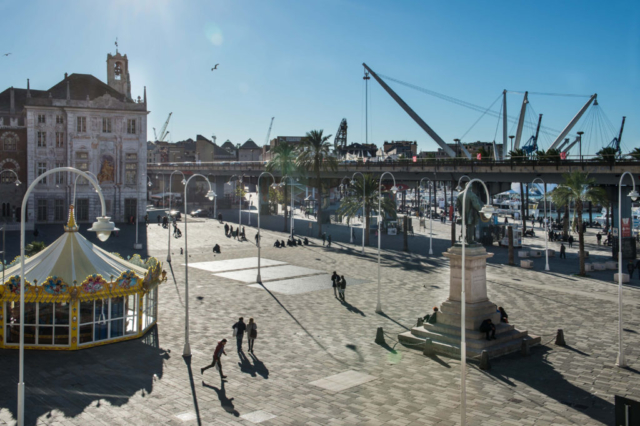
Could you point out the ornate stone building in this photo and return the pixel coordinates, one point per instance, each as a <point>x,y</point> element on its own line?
<point>96,127</point>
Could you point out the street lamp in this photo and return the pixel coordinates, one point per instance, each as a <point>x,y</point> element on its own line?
<point>364,221</point>
<point>394,189</point>
<point>487,211</point>
<point>184,182</point>
<point>430,218</point>
<point>238,180</point>
<point>621,362</point>
<point>580,143</point>
<point>290,195</point>
<point>210,195</point>
<point>250,209</point>
<point>259,279</point>
<point>102,227</point>
<point>137,245</point>
<point>75,184</point>
<point>17,181</point>
<point>546,231</point>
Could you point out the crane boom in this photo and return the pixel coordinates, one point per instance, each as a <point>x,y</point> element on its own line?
<point>446,148</point>
<point>163,132</point>
<point>269,132</point>
<point>572,123</point>
<point>523,110</point>
<point>155,135</point>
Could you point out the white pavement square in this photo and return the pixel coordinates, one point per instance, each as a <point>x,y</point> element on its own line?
<point>304,284</point>
<point>269,274</point>
<point>234,264</point>
<point>342,381</point>
<point>258,416</point>
<point>188,416</point>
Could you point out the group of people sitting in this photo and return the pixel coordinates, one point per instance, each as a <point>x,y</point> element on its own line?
<point>486,326</point>
<point>291,242</point>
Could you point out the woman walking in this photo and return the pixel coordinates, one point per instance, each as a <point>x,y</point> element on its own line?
<point>252,330</point>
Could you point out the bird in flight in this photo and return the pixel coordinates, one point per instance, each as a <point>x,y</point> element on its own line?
<point>7,54</point>
<point>215,68</point>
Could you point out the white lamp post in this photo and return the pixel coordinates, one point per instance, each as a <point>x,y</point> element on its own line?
<point>259,279</point>
<point>184,182</point>
<point>430,219</point>
<point>137,245</point>
<point>187,348</point>
<point>621,362</point>
<point>250,209</point>
<point>103,228</point>
<point>487,211</point>
<point>363,204</point>
<point>17,181</point>
<point>394,189</point>
<point>546,232</point>
<point>238,180</point>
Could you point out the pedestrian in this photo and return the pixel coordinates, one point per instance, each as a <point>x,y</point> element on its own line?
<point>335,279</point>
<point>630,268</point>
<point>343,287</point>
<point>230,231</point>
<point>257,238</point>
<point>220,217</point>
<point>488,328</point>
<point>563,251</point>
<point>244,235</point>
<point>159,219</point>
<point>216,249</point>
<point>599,238</point>
<point>329,240</point>
<point>238,331</point>
<point>146,219</point>
<point>217,353</point>
<point>226,230</point>
<point>353,235</point>
<point>252,331</point>
<point>570,241</point>
<point>324,238</point>
<point>503,315</point>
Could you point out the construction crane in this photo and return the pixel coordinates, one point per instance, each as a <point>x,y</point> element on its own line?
<point>266,142</point>
<point>341,135</point>
<point>615,143</point>
<point>531,146</point>
<point>163,132</point>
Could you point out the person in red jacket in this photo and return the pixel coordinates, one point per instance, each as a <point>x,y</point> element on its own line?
<point>217,353</point>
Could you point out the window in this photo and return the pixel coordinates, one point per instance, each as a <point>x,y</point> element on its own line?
<point>42,119</point>
<point>42,139</point>
<point>59,119</point>
<point>59,139</point>
<point>82,163</point>
<point>58,210</point>
<point>44,323</point>
<point>81,124</point>
<point>6,209</point>
<point>82,209</point>
<point>106,125</point>
<point>42,210</point>
<point>10,141</point>
<point>131,127</point>
<point>42,168</point>
<point>129,207</point>
<point>130,173</point>
<point>82,155</point>
<point>106,319</point>
<point>131,157</point>
<point>8,177</point>
<point>59,178</point>
<point>149,312</point>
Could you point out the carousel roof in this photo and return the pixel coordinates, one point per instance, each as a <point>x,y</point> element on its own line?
<point>73,258</point>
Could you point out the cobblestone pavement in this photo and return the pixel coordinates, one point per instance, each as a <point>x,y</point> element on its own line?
<point>311,336</point>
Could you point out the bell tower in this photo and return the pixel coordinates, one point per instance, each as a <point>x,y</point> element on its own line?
<point>118,73</point>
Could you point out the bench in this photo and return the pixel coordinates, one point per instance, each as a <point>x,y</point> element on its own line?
<point>588,267</point>
<point>527,264</point>
<point>535,253</point>
<point>551,252</point>
<point>625,278</point>
<point>523,253</point>
<point>599,266</point>
<point>611,265</point>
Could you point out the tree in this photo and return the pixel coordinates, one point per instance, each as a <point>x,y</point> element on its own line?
<point>34,247</point>
<point>635,154</point>
<point>548,155</point>
<point>607,154</point>
<point>314,155</point>
<point>283,160</point>
<point>579,188</point>
<point>518,155</point>
<point>352,203</point>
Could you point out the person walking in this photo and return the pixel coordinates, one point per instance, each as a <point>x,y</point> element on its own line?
<point>230,231</point>
<point>226,229</point>
<point>343,287</point>
<point>599,238</point>
<point>252,333</point>
<point>329,240</point>
<point>217,353</point>
<point>239,329</point>
<point>563,251</point>
<point>335,280</point>
<point>324,238</point>
<point>630,268</point>
<point>570,240</point>
<point>257,238</point>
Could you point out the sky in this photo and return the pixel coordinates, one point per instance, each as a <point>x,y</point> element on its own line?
<point>301,62</point>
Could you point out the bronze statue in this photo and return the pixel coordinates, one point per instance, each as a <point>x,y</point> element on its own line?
<point>472,213</point>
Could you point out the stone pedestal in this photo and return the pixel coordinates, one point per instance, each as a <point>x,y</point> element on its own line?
<point>445,334</point>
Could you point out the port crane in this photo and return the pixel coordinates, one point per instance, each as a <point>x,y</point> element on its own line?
<point>266,142</point>
<point>163,132</point>
<point>341,136</point>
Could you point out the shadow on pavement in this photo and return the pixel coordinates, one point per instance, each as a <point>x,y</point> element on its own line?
<point>71,381</point>
<point>187,361</point>
<point>352,308</point>
<point>259,366</point>
<point>225,402</point>
<point>382,314</point>
<point>245,365</point>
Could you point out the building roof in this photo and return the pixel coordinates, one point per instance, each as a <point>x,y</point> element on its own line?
<point>83,85</point>
<point>19,98</point>
<point>249,145</point>
<point>219,152</point>
<point>228,145</point>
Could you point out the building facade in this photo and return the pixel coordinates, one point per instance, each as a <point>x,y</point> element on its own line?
<point>84,123</point>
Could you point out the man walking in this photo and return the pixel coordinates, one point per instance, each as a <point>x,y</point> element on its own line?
<point>599,238</point>
<point>329,240</point>
<point>226,229</point>
<point>563,251</point>
<point>570,241</point>
<point>324,238</point>
<point>335,280</point>
<point>217,353</point>
<point>343,287</point>
<point>239,327</point>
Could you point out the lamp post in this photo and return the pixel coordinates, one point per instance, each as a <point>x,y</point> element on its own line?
<point>238,180</point>
<point>394,189</point>
<point>511,137</point>
<point>75,184</point>
<point>250,209</point>
<point>364,221</point>
<point>291,196</point>
<point>621,362</point>
<point>487,211</point>
<point>187,348</point>
<point>184,182</point>
<point>259,278</point>
<point>137,245</point>
<point>103,228</point>
<point>580,143</point>
<point>430,218</point>
<point>546,232</point>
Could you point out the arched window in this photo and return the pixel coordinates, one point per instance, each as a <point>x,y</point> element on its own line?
<point>117,70</point>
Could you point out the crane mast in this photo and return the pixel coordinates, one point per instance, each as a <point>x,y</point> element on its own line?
<point>266,142</point>
<point>163,132</point>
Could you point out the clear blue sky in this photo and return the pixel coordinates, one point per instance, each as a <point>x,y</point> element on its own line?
<point>300,61</point>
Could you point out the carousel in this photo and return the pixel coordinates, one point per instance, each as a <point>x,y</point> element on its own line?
<point>78,296</point>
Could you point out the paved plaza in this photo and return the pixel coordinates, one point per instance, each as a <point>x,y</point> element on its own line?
<point>316,362</point>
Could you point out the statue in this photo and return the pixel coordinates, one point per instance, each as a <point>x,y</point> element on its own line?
<point>106,171</point>
<point>472,213</point>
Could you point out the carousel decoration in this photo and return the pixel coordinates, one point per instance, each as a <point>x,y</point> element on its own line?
<point>77,295</point>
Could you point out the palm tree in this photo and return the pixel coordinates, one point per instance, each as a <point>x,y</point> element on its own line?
<point>34,247</point>
<point>579,188</point>
<point>635,154</point>
<point>608,154</point>
<point>352,203</point>
<point>518,155</point>
<point>314,155</point>
<point>283,160</point>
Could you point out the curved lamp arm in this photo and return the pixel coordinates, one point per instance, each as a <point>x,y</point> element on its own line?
<point>17,182</point>
<point>394,189</point>
<point>459,187</point>
<point>75,184</point>
<point>184,182</point>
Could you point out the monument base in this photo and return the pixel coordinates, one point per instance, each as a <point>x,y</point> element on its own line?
<point>445,334</point>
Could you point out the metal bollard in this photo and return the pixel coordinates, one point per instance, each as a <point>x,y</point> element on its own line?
<point>428,347</point>
<point>420,322</point>
<point>524,348</point>
<point>380,337</point>
<point>484,361</point>
<point>560,338</point>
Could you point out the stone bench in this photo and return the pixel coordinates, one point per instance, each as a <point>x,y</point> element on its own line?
<point>588,267</point>
<point>599,266</point>
<point>625,278</point>
<point>523,253</point>
<point>527,264</point>
<point>551,252</point>
<point>611,265</point>
<point>535,253</point>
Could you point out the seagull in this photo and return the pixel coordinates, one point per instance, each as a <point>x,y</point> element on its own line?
<point>7,54</point>
<point>215,68</point>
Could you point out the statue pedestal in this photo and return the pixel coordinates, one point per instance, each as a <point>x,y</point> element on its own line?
<point>445,334</point>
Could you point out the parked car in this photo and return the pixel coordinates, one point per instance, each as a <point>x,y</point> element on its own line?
<point>199,213</point>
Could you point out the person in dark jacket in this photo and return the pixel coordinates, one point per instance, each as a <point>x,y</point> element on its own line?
<point>503,315</point>
<point>630,268</point>
<point>226,229</point>
<point>570,240</point>
<point>563,251</point>
<point>216,249</point>
<point>277,244</point>
<point>335,280</point>
<point>343,287</point>
<point>240,327</point>
<point>488,328</point>
<point>433,318</point>
<point>329,240</point>
<point>324,238</point>
<point>217,353</point>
